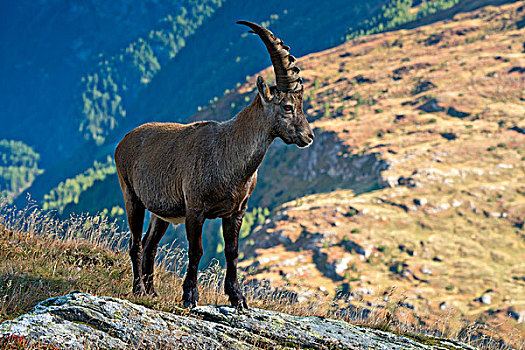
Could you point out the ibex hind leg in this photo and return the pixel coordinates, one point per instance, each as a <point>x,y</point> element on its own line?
<point>194,222</point>
<point>135,213</point>
<point>157,228</point>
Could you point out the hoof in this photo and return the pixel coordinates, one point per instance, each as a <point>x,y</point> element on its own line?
<point>190,297</point>
<point>235,295</point>
<point>238,301</point>
<point>189,304</point>
<point>139,290</point>
<point>151,292</point>
<point>242,306</point>
<point>149,289</point>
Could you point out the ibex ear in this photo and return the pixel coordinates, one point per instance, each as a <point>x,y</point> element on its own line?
<point>264,90</point>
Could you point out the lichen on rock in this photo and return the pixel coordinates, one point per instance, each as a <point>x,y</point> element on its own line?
<point>80,320</point>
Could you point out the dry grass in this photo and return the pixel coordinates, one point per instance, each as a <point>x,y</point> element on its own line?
<point>467,240</point>
<point>41,257</point>
<point>470,247</point>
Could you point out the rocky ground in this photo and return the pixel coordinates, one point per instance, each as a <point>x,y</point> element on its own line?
<point>420,155</point>
<point>418,174</point>
<point>80,320</point>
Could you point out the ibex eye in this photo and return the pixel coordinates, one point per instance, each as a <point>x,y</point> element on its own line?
<point>288,108</point>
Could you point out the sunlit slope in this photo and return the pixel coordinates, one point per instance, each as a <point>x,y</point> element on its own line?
<point>443,106</point>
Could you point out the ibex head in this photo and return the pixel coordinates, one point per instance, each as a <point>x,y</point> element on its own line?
<point>283,103</point>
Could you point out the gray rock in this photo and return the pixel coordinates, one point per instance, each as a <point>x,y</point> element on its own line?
<point>431,106</point>
<point>444,305</point>
<point>420,201</point>
<point>79,321</point>
<point>357,247</point>
<point>426,270</point>
<point>518,315</point>
<point>486,299</point>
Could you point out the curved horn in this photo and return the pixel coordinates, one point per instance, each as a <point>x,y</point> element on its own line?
<point>286,72</point>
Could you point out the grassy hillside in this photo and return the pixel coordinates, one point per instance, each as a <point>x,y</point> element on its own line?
<point>140,79</point>
<point>155,76</point>
<point>287,172</point>
<point>441,108</point>
<point>42,258</point>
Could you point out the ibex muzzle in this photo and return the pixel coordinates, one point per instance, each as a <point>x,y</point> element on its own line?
<point>206,170</point>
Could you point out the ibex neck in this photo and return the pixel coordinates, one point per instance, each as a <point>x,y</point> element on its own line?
<point>250,133</point>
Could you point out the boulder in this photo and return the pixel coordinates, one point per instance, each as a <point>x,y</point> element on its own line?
<point>420,201</point>
<point>80,321</point>
<point>486,299</point>
<point>431,106</point>
<point>518,315</point>
<point>457,114</point>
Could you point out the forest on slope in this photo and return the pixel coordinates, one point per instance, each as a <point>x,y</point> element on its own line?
<point>418,156</point>
<point>97,73</point>
<point>107,84</point>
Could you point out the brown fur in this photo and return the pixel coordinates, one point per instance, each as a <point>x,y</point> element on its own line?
<point>199,171</point>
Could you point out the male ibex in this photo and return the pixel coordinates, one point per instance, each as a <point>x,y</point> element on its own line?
<point>206,170</point>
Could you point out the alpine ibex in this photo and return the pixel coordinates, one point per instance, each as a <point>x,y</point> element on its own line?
<point>206,170</point>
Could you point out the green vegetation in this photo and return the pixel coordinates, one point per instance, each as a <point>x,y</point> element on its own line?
<point>396,13</point>
<point>18,166</point>
<point>43,257</point>
<point>252,219</point>
<point>70,190</point>
<point>433,6</point>
<point>457,208</point>
<point>105,90</point>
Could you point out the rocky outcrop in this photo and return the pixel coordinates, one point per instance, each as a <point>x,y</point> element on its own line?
<point>79,321</point>
<point>328,156</point>
<point>290,172</point>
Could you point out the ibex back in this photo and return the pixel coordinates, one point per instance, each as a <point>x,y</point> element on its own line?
<point>206,170</point>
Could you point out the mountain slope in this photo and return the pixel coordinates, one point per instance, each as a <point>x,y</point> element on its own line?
<point>18,167</point>
<point>442,107</point>
<point>140,81</point>
<point>48,267</point>
<point>48,47</point>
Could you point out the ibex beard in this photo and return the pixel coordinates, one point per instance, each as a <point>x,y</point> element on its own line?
<point>206,170</point>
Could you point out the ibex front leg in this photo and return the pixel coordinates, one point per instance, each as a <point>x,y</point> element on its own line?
<point>230,229</point>
<point>194,222</point>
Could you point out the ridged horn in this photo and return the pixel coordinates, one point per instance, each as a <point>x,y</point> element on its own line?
<point>286,72</point>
